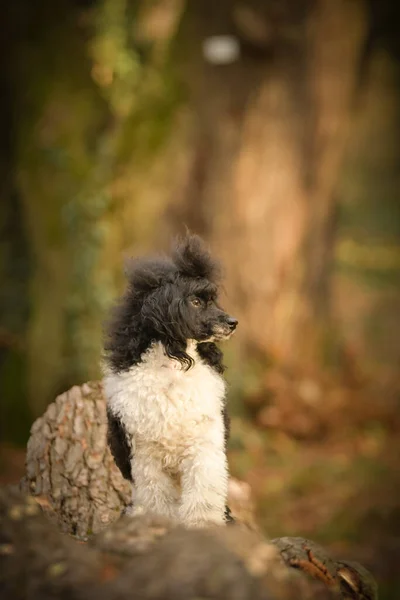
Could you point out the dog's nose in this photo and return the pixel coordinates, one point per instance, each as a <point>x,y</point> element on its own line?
<point>232,322</point>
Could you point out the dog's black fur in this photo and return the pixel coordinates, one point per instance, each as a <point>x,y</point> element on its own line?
<point>171,300</point>
<point>158,306</point>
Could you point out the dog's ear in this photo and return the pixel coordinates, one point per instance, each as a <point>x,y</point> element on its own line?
<point>192,259</point>
<point>147,274</point>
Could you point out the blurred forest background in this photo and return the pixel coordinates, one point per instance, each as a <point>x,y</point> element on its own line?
<point>122,122</point>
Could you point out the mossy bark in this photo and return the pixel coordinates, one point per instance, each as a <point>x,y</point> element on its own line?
<point>63,190</point>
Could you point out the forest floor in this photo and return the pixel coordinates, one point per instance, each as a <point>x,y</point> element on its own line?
<point>326,466</point>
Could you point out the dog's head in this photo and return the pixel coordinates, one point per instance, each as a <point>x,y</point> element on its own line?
<point>179,295</point>
<point>172,300</point>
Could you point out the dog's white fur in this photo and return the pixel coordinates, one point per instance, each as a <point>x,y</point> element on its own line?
<point>173,418</point>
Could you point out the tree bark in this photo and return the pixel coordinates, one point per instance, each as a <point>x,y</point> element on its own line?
<point>69,466</point>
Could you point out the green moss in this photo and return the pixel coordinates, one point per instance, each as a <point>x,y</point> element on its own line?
<point>148,126</point>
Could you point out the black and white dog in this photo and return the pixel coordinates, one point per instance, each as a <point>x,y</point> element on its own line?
<point>166,407</point>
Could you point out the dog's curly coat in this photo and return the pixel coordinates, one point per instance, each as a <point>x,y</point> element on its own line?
<point>167,417</point>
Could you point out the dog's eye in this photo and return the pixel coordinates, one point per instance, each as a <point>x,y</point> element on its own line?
<point>196,302</point>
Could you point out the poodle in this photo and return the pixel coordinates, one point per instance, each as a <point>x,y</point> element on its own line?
<point>167,417</point>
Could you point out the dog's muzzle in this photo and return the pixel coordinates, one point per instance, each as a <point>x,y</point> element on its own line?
<point>224,329</point>
<point>232,323</point>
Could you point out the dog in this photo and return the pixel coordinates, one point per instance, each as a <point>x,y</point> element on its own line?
<point>168,423</point>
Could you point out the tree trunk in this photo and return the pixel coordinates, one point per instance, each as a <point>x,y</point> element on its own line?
<point>90,115</point>
<point>69,466</point>
<point>270,135</point>
<point>294,163</point>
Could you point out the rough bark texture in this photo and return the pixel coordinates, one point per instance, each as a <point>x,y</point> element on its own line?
<point>146,558</point>
<point>69,466</point>
<point>71,474</point>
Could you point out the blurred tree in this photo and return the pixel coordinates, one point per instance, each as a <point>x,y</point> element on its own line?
<point>272,129</point>
<point>108,156</point>
<point>280,146</point>
<point>366,283</point>
<point>277,133</point>
<point>14,263</point>
<point>92,98</point>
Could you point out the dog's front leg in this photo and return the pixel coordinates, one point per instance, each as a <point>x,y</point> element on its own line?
<point>204,482</point>
<point>154,491</point>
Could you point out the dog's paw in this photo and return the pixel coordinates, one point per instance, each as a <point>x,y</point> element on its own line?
<point>200,520</point>
<point>203,524</point>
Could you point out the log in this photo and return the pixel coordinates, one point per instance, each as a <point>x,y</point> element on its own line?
<point>69,467</point>
<point>143,558</point>
<point>72,485</point>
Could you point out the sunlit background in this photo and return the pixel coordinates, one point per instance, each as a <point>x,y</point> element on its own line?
<point>272,129</point>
